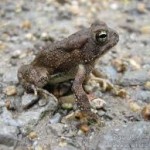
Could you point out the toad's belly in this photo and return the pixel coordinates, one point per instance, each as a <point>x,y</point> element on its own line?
<point>63,76</point>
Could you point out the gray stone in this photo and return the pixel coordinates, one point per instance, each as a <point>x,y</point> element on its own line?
<point>4,147</point>
<point>57,129</point>
<point>29,119</point>
<point>143,96</point>
<point>101,113</point>
<point>8,135</point>
<point>1,87</point>
<point>67,147</point>
<point>128,137</point>
<point>2,103</point>
<point>59,21</point>
<point>42,102</point>
<point>108,71</point>
<point>10,75</point>
<point>55,119</point>
<point>7,118</point>
<point>28,100</point>
<point>131,78</point>
<point>51,106</point>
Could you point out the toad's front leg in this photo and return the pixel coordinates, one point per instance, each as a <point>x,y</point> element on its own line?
<point>81,96</point>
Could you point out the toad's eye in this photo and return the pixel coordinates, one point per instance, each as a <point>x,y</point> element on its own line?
<point>101,36</point>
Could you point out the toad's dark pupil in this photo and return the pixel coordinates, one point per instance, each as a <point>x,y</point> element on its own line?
<point>101,36</point>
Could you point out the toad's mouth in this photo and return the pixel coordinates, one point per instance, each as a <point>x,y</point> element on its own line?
<point>108,48</point>
<point>110,45</point>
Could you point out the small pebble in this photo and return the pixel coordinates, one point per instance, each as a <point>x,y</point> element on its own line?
<point>2,46</point>
<point>145,29</point>
<point>16,54</point>
<point>141,7</point>
<point>8,104</point>
<point>134,64</point>
<point>134,107</point>
<point>97,103</point>
<point>114,6</point>
<point>84,127</point>
<point>10,90</point>
<point>62,142</point>
<point>75,9</point>
<point>67,106</point>
<point>38,147</point>
<point>119,65</point>
<point>26,24</point>
<point>32,135</point>
<point>147,85</point>
<point>146,112</point>
<point>67,101</point>
<point>30,37</point>
<point>44,35</point>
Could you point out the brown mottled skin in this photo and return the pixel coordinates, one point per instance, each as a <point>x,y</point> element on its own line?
<point>71,58</point>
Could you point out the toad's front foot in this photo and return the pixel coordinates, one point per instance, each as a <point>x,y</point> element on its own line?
<point>105,84</point>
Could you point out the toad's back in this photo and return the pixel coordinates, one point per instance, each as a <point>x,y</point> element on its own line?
<point>63,55</point>
<point>57,60</point>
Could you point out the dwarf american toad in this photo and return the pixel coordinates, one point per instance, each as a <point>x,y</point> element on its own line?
<point>70,58</point>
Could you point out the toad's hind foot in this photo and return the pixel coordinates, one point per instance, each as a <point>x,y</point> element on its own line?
<point>92,118</point>
<point>43,93</point>
<point>87,117</point>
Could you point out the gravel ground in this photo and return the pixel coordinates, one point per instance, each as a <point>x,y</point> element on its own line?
<point>29,123</point>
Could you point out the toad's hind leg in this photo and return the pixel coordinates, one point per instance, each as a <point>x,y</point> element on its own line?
<point>81,96</point>
<point>40,81</point>
<point>33,79</point>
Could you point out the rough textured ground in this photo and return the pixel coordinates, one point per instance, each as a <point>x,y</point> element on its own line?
<point>26,25</point>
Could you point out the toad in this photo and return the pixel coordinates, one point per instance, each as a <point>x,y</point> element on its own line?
<point>71,58</point>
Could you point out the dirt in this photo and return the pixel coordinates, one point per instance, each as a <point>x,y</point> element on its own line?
<point>27,25</point>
